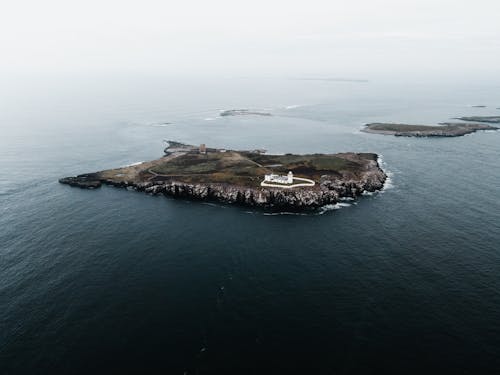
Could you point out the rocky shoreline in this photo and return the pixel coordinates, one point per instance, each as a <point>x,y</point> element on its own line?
<point>330,191</point>
<point>330,188</point>
<point>446,129</point>
<point>488,119</point>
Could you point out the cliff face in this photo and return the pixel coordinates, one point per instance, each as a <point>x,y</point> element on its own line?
<point>329,191</point>
<point>234,177</point>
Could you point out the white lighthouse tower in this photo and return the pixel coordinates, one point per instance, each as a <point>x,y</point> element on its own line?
<point>290,177</point>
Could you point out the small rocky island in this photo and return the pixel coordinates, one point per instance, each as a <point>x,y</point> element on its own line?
<point>251,177</point>
<point>244,112</point>
<point>488,119</point>
<point>446,129</point>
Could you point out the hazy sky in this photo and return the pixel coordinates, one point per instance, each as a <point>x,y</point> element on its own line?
<point>339,38</point>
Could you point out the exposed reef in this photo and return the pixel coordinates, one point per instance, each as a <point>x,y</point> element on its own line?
<point>446,129</point>
<point>243,112</point>
<point>85,181</point>
<point>234,177</point>
<point>489,119</point>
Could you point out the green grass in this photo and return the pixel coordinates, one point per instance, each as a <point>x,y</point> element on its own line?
<point>244,168</point>
<point>205,164</point>
<point>305,163</point>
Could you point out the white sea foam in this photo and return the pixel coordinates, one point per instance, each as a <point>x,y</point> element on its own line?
<point>388,184</point>
<point>133,164</point>
<point>328,207</point>
<point>344,204</point>
<point>284,213</point>
<point>209,119</point>
<point>294,106</point>
<point>360,128</point>
<point>332,207</point>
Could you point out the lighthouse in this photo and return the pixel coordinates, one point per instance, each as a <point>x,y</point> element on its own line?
<point>290,177</point>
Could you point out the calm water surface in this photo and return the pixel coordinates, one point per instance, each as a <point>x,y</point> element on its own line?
<point>114,281</point>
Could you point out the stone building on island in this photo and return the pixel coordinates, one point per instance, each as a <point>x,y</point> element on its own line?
<point>275,178</point>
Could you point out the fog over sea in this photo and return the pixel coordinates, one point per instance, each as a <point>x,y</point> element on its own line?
<point>115,281</point>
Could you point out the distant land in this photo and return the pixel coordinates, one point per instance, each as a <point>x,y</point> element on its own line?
<point>243,112</point>
<point>241,177</point>
<point>327,79</point>
<point>489,119</point>
<point>442,130</point>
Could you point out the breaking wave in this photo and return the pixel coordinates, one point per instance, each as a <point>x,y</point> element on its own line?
<point>133,164</point>
<point>294,106</point>
<point>389,183</point>
<point>332,207</point>
<point>284,213</point>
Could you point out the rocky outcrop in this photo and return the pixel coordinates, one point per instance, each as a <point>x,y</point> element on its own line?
<point>445,129</point>
<point>236,176</point>
<point>84,181</point>
<point>329,191</point>
<point>489,119</point>
<point>242,112</point>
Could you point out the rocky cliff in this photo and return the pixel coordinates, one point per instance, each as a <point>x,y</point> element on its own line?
<point>330,190</point>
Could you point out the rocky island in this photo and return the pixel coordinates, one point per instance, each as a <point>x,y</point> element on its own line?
<point>446,129</point>
<point>243,177</point>
<point>243,112</point>
<point>489,119</point>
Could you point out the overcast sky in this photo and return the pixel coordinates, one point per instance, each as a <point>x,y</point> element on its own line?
<point>340,38</point>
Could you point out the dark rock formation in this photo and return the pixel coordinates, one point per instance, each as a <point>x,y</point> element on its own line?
<point>236,176</point>
<point>445,129</point>
<point>329,191</point>
<point>489,119</point>
<point>84,181</point>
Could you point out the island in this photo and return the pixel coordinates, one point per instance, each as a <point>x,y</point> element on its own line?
<point>490,119</point>
<point>249,177</point>
<point>446,129</point>
<point>243,112</point>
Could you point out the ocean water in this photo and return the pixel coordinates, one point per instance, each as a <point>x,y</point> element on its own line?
<point>115,281</point>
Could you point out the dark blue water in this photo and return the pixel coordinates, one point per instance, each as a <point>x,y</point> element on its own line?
<point>114,281</point>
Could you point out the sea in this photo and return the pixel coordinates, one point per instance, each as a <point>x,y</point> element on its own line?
<point>114,281</point>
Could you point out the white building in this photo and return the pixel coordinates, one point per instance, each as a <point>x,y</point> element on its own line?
<point>275,178</point>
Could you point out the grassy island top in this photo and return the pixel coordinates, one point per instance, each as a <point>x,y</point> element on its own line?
<point>188,164</point>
